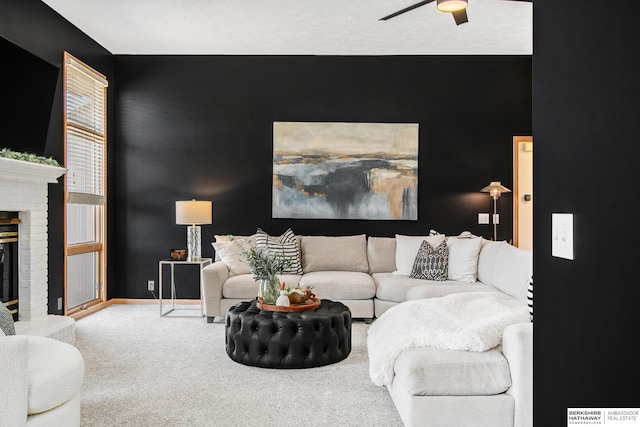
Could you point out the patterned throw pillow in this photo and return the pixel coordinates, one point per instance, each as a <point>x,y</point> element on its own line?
<point>6,320</point>
<point>285,245</point>
<point>431,263</point>
<point>530,297</point>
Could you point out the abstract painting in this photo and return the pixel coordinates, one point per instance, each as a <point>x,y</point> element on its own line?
<point>345,170</point>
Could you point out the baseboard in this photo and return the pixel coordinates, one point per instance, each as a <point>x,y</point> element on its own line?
<point>97,307</point>
<point>153,301</point>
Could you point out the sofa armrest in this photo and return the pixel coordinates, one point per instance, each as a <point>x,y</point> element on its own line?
<point>14,373</point>
<point>213,277</point>
<point>517,347</point>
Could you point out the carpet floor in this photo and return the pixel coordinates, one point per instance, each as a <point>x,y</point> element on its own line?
<point>143,370</point>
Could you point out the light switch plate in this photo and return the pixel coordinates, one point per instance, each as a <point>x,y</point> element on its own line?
<point>483,218</point>
<point>562,235</point>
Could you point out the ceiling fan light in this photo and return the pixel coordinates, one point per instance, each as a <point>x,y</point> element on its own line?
<point>451,5</point>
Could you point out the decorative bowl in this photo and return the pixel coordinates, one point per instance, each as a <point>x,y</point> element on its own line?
<point>297,297</point>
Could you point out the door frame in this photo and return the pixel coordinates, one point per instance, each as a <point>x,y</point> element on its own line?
<point>516,193</point>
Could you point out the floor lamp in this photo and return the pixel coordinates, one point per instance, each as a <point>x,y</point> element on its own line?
<point>495,189</point>
<point>193,213</point>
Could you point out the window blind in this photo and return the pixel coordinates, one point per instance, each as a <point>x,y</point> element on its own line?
<point>85,133</point>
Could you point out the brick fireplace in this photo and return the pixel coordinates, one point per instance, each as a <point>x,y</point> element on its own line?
<point>24,189</point>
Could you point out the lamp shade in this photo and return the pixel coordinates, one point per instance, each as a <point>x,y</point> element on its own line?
<point>451,5</point>
<point>192,212</point>
<point>495,189</point>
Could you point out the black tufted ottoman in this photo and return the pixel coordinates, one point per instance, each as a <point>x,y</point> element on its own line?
<point>270,339</point>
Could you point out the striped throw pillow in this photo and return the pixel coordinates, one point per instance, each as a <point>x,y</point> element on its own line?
<point>285,246</point>
<point>530,297</point>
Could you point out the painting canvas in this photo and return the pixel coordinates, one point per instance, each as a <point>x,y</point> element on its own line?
<point>345,170</point>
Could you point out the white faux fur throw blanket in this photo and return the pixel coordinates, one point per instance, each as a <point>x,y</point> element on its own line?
<point>472,321</point>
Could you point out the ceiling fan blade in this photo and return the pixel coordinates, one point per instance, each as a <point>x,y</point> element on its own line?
<point>460,16</point>
<point>407,9</point>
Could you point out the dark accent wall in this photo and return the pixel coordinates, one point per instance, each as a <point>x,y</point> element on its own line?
<point>585,125</point>
<point>201,127</point>
<point>586,129</point>
<point>36,28</point>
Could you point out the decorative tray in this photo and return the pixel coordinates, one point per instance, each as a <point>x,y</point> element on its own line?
<point>310,304</point>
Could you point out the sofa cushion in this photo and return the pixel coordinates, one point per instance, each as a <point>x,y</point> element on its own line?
<point>487,260</point>
<point>381,253</point>
<point>506,267</point>
<point>229,251</point>
<point>463,257</point>
<point>286,246</point>
<point>340,285</point>
<point>407,249</point>
<point>394,288</point>
<point>440,372</point>
<point>56,373</point>
<point>437,289</point>
<point>431,263</point>
<point>341,253</point>
<point>244,287</point>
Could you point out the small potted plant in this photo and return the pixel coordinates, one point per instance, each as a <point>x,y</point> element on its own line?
<point>265,266</point>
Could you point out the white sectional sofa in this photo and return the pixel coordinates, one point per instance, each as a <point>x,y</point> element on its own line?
<point>430,386</point>
<point>362,273</point>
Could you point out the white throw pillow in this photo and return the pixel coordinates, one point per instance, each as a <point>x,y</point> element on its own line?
<point>229,250</point>
<point>407,248</point>
<point>463,257</point>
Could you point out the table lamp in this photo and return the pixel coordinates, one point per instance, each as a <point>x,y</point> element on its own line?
<point>495,189</point>
<point>193,213</point>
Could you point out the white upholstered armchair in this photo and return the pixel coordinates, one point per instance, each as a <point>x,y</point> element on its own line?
<point>40,381</point>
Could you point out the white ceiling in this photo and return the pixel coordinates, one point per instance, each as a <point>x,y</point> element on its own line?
<point>299,27</point>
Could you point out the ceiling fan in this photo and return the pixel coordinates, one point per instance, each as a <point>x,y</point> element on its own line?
<point>458,9</point>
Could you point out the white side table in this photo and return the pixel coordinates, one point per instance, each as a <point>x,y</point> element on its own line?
<point>201,263</point>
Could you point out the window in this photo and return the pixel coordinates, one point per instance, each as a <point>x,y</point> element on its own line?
<point>85,185</point>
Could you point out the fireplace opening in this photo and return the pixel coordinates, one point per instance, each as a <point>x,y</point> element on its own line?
<point>9,261</point>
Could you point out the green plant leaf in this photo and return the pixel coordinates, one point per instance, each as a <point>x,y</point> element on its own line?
<point>28,157</point>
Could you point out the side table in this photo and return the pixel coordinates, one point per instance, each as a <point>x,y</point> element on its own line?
<point>201,263</point>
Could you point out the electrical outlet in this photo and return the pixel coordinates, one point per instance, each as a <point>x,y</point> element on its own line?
<point>60,303</point>
<point>151,285</point>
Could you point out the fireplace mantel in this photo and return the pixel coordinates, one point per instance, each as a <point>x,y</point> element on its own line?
<point>20,169</point>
